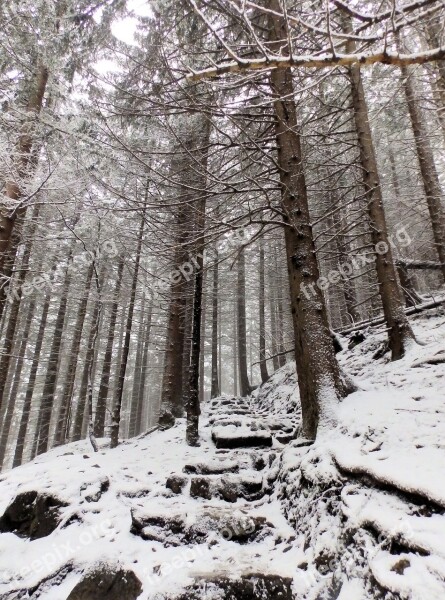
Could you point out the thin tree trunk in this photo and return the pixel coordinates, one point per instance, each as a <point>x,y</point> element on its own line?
<point>430,178</point>
<point>67,392</point>
<point>49,388</point>
<point>399,329</point>
<point>135,398</point>
<point>245,388</point>
<point>17,377</point>
<point>116,416</point>
<point>215,390</point>
<point>144,371</point>
<point>262,317</point>
<point>104,386</point>
<point>82,403</point>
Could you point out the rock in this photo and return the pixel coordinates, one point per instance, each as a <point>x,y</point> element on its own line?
<point>105,583</point>
<point>212,468</point>
<point>104,486</point>
<point>248,587</point>
<point>176,483</point>
<point>200,487</point>
<point>32,515</point>
<point>356,338</point>
<point>169,530</point>
<point>240,437</point>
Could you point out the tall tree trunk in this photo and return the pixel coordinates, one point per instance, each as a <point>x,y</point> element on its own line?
<point>67,392</point>
<point>172,384</point>
<point>135,398</point>
<point>193,407</point>
<point>235,346</point>
<point>9,216</point>
<point>245,388</point>
<point>16,296</point>
<point>144,371</point>
<point>215,390</point>
<point>399,330</point>
<point>430,178</point>
<point>104,386</point>
<point>49,388</point>
<point>26,410</point>
<point>262,317</point>
<point>83,404</point>
<point>116,416</point>
<point>273,319</point>
<point>318,372</point>
<point>17,378</point>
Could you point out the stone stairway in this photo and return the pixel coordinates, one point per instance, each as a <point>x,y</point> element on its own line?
<point>231,486</point>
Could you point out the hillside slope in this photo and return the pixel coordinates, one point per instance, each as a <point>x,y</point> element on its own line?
<point>254,512</point>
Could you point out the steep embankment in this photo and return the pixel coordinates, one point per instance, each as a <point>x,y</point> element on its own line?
<point>252,513</point>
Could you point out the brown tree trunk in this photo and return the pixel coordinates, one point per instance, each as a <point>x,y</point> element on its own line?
<point>104,386</point>
<point>62,428</point>
<point>17,377</point>
<point>430,178</point>
<point>318,372</point>
<point>49,388</point>
<point>14,188</point>
<point>144,371</point>
<point>215,391</point>
<point>172,385</point>
<point>79,415</point>
<point>116,416</point>
<point>26,410</point>
<point>137,376</point>
<point>399,329</point>
<point>245,388</point>
<point>262,318</point>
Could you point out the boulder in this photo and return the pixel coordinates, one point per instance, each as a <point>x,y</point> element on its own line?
<point>105,583</point>
<point>32,515</point>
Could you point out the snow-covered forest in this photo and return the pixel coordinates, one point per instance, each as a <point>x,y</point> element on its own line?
<point>222,300</point>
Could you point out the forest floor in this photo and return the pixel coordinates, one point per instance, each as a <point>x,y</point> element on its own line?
<point>251,513</point>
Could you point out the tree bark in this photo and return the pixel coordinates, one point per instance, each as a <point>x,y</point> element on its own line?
<point>14,188</point>
<point>26,410</point>
<point>49,388</point>
<point>399,329</point>
<point>319,379</point>
<point>262,317</point>
<point>215,390</point>
<point>245,388</point>
<point>116,416</point>
<point>430,178</point>
<point>104,385</point>
<point>62,427</point>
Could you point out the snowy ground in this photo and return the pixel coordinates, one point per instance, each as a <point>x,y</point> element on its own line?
<point>364,505</point>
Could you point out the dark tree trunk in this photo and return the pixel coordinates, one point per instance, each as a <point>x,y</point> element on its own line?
<point>319,379</point>
<point>49,388</point>
<point>245,388</point>
<point>135,398</point>
<point>262,318</point>
<point>215,390</point>
<point>144,372</point>
<point>116,417</point>
<point>399,330</point>
<point>62,428</point>
<point>430,178</point>
<point>26,410</point>
<point>14,188</point>
<point>104,386</point>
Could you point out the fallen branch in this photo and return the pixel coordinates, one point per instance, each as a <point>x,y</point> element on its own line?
<point>380,320</point>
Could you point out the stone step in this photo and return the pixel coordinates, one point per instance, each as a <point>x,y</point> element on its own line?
<point>229,488</point>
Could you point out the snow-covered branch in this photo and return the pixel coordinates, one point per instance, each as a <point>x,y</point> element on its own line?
<point>319,62</point>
